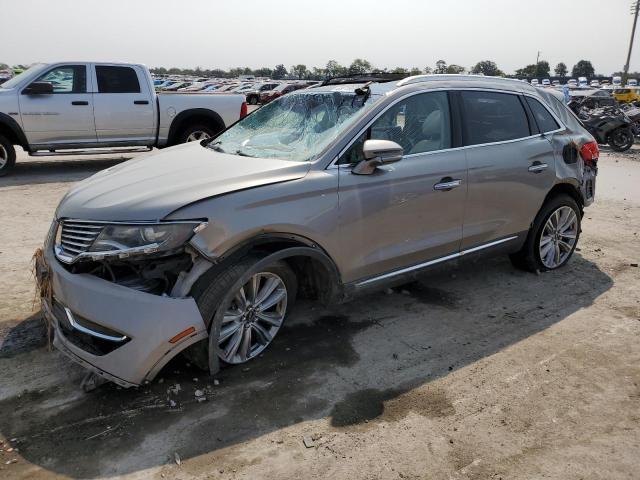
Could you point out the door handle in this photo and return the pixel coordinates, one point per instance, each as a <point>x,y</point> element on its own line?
<point>79,102</point>
<point>141,102</point>
<point>447,183</point>
<point>537,167</point>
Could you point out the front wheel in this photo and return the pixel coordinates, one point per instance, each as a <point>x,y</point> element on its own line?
<point>553,237</point>
<point>7,156</point>
<point>621,139</point>
<point>244,309</point>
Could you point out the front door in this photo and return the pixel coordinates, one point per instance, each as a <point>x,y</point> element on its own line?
<point>66,115</point>
<point>400,216</point>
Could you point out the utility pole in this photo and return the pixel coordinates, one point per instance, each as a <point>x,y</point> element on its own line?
<point>537,62</point>
<point>635,7</point>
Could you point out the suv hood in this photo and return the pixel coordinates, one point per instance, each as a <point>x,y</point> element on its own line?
<point>151,187</point>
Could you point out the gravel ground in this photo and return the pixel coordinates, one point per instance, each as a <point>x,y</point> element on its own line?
<point>480,372</point>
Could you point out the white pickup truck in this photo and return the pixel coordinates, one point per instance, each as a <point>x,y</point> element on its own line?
<point>72,108</point>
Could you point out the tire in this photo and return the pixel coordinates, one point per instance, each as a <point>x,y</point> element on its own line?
<point>196,133</point>
<point>530,257</point>
<point>621,139</point>
<point>215,295</point>
<point>253,100</point>
<point>7,156</point>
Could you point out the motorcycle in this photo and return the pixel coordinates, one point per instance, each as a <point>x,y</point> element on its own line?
<point>608,125</point>
<point>632,110</point>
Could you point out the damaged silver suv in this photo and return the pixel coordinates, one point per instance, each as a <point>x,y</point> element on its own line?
<point>326,192</point>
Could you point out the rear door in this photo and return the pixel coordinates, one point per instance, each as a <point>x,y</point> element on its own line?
<point>400,216</point>
<point>66,115</point>
<point>511,166</point>
<point>123,106</point>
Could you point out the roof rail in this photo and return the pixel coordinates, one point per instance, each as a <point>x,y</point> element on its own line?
<point>378,77</point>
<point>449,77</point>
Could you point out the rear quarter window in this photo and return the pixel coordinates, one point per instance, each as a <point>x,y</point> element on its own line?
<point>493,117</point>
<point>546,122</point>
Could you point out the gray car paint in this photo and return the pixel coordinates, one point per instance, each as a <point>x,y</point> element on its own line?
<point>367,225</point>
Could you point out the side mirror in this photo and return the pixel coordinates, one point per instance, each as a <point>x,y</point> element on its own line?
<point>376,153</point>
<point>39,88</point>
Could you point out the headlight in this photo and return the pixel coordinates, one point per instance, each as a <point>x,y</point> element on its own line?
<point>143,238</point>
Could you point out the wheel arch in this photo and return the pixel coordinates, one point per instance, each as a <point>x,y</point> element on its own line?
<point>317,273</point>
<point>10,129</point>
<point>190,117</point>
<point>566,188</point>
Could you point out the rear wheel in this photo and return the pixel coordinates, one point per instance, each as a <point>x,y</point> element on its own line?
<point>7,156</point>
<point>244,309</point>
<point>253,100</point>
<point>553,236</point>
<point>621,139</point>
<point>196,133</point>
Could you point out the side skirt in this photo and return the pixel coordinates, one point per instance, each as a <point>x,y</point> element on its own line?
<point>404,275</point>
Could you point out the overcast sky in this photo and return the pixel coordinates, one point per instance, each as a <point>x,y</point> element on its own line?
<point>256,33</point>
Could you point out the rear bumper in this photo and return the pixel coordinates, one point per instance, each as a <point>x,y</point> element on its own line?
<point>147,321</point>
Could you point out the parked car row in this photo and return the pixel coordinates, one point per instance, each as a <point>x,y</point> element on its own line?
<point>260,91</point>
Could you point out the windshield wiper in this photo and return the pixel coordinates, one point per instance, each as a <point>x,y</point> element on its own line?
<point>243,154</point>
<point>216,146</point>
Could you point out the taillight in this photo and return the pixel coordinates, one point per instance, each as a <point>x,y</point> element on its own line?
<point>590,153</point>
<point>243,110</point>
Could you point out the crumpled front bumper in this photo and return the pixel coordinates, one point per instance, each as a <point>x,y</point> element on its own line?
<point>148,321</point>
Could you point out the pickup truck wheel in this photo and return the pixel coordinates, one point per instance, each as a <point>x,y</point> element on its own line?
<point>244,307</point>
<point>7,156</point>
<point>196,133</point>
<point>553,237</point>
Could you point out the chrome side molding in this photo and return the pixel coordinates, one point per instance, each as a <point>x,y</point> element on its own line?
<point>386,276</point>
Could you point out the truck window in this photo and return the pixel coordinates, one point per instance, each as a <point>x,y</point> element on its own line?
<point>67,79</point>
<point>117,79</point>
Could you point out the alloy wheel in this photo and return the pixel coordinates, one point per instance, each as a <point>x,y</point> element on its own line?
<point>4,156</point>
<point>558,237</point>
<point>197,136</point>
<point>253,318</point>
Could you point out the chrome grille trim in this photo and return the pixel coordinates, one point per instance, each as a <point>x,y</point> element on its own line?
<point>75,237</point>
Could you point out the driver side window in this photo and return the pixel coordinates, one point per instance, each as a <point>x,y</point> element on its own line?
<point>420,123</point>
<point>67,79</point>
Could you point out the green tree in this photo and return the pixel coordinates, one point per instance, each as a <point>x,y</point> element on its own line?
<point>415,71</point>
<point>583,69</point>
<point>543,69</point>
<point>360,65</point>
<point>488,68</point>
<point>528,71</point>
<point>561,70</point>
<point>263,72</point>
<point>455,69</point>
<point>334,69</point>
<point>279,72</point>
<point>441,67</point>
<point>428,70</point>
<point>299,71</point>
<point>399,70</point>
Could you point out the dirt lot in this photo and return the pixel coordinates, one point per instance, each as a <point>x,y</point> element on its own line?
<point>482,372</point>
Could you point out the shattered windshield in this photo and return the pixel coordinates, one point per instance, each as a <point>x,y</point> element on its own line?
<point>297,126</point>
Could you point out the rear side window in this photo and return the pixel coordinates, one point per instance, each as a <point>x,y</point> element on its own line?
<point>117,79</point>
<point>493,117</point>
<point>546,123</point>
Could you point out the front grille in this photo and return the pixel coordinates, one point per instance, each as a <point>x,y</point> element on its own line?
<point>76,237</point>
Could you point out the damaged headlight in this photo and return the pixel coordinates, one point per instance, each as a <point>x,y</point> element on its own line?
<point>124,240</point>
